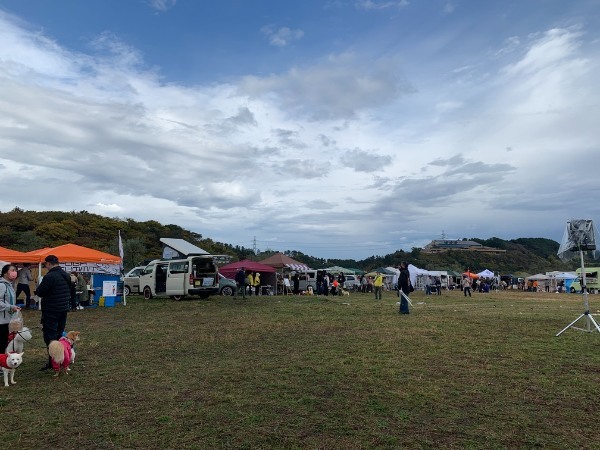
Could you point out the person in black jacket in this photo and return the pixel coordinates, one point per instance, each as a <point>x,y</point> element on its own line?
<point>240,281</point>
<point>55,290</point>
<point>404,286</point>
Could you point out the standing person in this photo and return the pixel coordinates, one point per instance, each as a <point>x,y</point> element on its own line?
<point>342,280</point>
<point>55,290</point>
<point>240,281</point>
<point>73,299</point>
<point>296,280</point>
<point>319,282</point>
<point>257,283</point>
<point>363,284</point>
<point>438,285</point>
<point>8,302</point>
<point>404,286</point>
<point>378,285</point>
<point>81,291</point>
<point>250,282</point>
<point>466,285</point>
<point>24,278</point>
<point>326,284</point>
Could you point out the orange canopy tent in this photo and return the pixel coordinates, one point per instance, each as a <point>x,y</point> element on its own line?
<point>14,256</point>
<point>76,253</point>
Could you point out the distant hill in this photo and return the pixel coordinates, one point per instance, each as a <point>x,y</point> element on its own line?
<point>30,230</point>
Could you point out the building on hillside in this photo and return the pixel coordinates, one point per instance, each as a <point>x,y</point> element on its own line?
<point>443,245</point>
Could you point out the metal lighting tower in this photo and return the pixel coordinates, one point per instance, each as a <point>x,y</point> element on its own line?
<point>580,237</point>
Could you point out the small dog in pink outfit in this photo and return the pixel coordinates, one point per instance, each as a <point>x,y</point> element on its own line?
<point>62,352</point>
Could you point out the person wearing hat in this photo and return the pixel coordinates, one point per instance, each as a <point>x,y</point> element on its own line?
<point>55,290</point>
<point>378,284</point>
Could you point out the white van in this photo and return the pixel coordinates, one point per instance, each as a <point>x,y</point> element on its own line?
<point>194,275</point>
<point>307,278</point>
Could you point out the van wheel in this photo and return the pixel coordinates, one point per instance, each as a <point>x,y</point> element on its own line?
<point>177,297</point>
<point>227,291</point>
<point>147,293</point>
<point>572,290</point>
<point>126,290</point>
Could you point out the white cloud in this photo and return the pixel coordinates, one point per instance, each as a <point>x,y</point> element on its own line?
<point>369,5</point>
<point>162,5</point>
<point>337,87</point>
<point>282,36</point>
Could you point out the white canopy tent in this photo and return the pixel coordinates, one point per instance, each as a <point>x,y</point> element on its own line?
<point>486,274</point>
<point>538,277</point>
<point>395,276</point>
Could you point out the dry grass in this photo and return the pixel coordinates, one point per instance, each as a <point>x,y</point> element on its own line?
<point>283,372</point>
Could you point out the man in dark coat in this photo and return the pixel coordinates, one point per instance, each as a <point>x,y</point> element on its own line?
<point>55,290</point>
<point>404,286</point>
<point>240,280</point>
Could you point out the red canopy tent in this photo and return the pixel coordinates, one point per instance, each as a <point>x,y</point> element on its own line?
<point>280,261</point>
<point>268,275</point>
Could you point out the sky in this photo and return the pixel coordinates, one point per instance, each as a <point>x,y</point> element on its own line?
<point>341,129</point>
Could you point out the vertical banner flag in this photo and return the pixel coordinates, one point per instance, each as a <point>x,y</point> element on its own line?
<point>121,250</point>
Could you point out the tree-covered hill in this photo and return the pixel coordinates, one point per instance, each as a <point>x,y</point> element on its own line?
<point>30,230</point>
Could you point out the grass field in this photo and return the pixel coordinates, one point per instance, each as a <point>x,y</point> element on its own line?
<point>308,372</point>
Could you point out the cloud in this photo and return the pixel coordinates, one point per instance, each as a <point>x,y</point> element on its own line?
<point>363,161</point>
<point>511,44</point>
<point>449,8</point>
<point>162,5</point>
<point>369,5</point>
<point>337,87</point>
<point>289,138</point>
<point>282,36</point>
<point>553,47</point>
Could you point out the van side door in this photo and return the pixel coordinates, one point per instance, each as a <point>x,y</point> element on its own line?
<point>176,276</point>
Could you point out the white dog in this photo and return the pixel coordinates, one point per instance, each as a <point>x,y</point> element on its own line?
<point>344,292</point>
<point>9,363</point>
<point>18,339</point>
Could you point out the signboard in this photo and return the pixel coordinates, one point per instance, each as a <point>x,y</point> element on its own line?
<point>89,267</point>
<point>109,288</point>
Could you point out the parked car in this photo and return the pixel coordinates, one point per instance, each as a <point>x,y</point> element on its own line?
<point>131,281</point>
<point>352,282</point>
<point>227,286</point>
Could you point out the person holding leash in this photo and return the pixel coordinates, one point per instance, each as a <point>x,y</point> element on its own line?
<point>55,290</point>
<point>404,286</point>
<point>8,301</point>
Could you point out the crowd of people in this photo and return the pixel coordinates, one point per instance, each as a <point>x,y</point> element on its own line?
<point>326,284</point>
<point>247,283</point>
